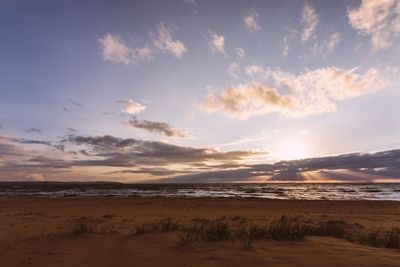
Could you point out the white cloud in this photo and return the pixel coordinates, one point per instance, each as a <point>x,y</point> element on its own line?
<point>217,43</point>
<point>240,53</point>
<point>132,107</point>
<point>115,50</point>
<point>254,70</point>
<point>165,43</point>
<point>312,92</point>
<point>234,67</point>
<point>252,21</point>
<point>309,21</point>
<point>378,18</point>
<point>290,34</point>
<point>327,46</point>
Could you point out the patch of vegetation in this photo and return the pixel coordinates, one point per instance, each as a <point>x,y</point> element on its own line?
<point>392,238</point>
<point>185,240</point>
<point>108,230</point>
<point>331,228</point>
<point>162,226</point>
<point>81,228</point>
<point>286,229</point>
<point>283,228</point>
<point>210,231</point>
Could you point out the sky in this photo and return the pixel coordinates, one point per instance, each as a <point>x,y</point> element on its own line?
<point>200,91</point>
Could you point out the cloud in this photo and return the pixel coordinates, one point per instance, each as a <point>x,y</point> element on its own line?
<point>289,34</point>
<point>327,46</point>
<point>181,163</point>
<point>378,18</point>
<point>33,130</point>
<point>75,103</point>
<point>131,152</point>
<point>355,167</point>
<point>309,21</point>
<point>72,130</point>
<point>240,53</point>
<point>217,43</point>
<point>165,43</point>
<point>132,107</point>
<point>234,67</point>
<point>312,92</point>
<point>154,171</point>
<point>162,128</point>
<point>254,70</point>
<point>252,21</point>
<point>115,50</point>
<point>162,41</point>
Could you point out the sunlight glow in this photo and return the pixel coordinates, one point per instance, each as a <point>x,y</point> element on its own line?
<point>290,149</point>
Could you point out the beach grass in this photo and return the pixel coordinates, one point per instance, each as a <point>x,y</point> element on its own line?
<point>283,228</point>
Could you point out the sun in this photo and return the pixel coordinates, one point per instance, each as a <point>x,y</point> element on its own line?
<point>290,150</point>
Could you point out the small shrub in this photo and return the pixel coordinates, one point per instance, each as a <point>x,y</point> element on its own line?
<point>285,228</point>
<point>185,240</point>
<point>217,231</point>
<point>211,231</point>
<point>392,238</point>
<point>331,228</point>
<point>162,226</point>
<point>243,235</point>
<point>258,232</point>
<point>81,228</point>
<point>167,226</point>
<point>109,230</point>
<point>372,239</point>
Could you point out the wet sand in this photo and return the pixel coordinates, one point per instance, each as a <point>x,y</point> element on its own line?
<point>38,232</point>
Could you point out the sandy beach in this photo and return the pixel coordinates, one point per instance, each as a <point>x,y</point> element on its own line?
<point>45,232</point>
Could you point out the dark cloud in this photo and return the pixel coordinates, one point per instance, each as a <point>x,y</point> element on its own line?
<point>157,127</point>
<point>75,103</point>
<point>146,157</point>
<point>154,171</point>
<point>355,167</point>
<point>7,150</point>
<point>196,165</point>
<point>25,141</point>
<point>72,130</point>
<point>132,152</point>
<point>29,141</point>
<point>33,130</point>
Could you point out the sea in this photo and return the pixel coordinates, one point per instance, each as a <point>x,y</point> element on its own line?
<point>303,191</point>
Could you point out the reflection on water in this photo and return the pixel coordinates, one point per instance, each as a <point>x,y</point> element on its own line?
<point>269,191</point>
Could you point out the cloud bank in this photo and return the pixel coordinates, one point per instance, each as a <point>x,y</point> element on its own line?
<point>124,157</point>
<point>312,92</point>
<point>355,167</point>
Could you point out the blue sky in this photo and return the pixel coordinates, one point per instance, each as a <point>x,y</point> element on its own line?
<point>239,82</point>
